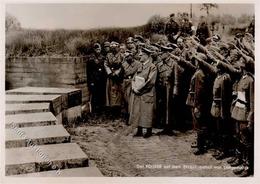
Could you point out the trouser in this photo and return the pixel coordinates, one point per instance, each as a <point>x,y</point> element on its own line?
<point>247,142</point>
<point>164,118</point>
<point>201,129</point>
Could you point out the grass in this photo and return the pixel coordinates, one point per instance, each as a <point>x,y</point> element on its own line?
<point>27,42</point>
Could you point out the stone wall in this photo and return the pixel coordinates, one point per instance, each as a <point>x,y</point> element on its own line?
<point>68,72</point>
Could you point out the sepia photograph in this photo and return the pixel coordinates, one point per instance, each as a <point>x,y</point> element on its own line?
<point>129,90</point>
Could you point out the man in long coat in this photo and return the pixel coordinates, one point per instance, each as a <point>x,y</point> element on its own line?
<point>113,67</point>
<point>143,96</point>
<point>96,79</point>
<point>130,67</point>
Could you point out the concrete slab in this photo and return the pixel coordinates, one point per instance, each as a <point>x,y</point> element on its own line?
<point>74,172</point>
<point>54,100</point>
<point>44,158</point>
<point>30,119</point>
<point>41,90</point>
<point>23,137</point>
<point>27,108</point>
<point>70,96</point>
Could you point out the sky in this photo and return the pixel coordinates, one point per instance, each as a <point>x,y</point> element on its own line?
<point>86,16</point>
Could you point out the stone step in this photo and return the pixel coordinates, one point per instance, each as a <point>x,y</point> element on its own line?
<point>27,108</point>
<point>30,119</point>
<point>44,158</point>
<point>74,172</point>
<point>54,100</point>
<point>70,96</point>
<point>24,137</point>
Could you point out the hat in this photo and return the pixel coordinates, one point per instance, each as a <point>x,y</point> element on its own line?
<point>154,48</point>
<point>114,44</point>
<point>139,38</point>
<point>172,45</point>
<point>97,46</point>
<point>165,48</point>
<point>147,50</point>
<point>106,44</point>
<point>239,35</point>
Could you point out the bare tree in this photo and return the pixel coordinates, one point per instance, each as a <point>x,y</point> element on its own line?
<point>11,23</point>
<point>208,6</point>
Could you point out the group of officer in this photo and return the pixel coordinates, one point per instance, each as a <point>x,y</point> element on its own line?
<point>195,75</point>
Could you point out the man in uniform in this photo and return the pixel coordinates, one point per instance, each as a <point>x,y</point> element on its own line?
<point>96,79</point>
<point>130,66</point>
<point>186,27</point>
<point>203,31</point>
<point>143,96</point>
<point>106,48</point>
<point>171,29</point>
<point>243,114</point>
<point>199,88</point>
<point>164,88</point>
<point>113,68</point>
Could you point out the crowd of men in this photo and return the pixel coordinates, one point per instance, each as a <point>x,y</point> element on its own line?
<point>190,74</point>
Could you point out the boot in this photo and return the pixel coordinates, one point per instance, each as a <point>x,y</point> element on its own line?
<point>238,171</point>
<point>246,173</point>
<point>139,132</point>
<point>231,160</point>
<point>200,143</point>
<point>236,163</point>
<point>148,133</point>
<point>221,156</point>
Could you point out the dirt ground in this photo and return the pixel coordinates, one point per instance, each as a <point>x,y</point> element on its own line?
<point>113,149</point>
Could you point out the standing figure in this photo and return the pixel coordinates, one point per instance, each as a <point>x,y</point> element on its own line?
<point>96,80</point>
<point>198,98</point>
<point>113,67</point>
<point>203,31</point>
<point>143,96</point>
<point>243,114</point>
<point>130,66</point>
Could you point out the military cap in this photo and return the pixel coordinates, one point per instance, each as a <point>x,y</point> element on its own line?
<point>114,44</point>
<point>106,44</point>
<point>139,38</point>
<point>97,46</point>
<point>239,35</point>
<point>165,48</point>
<point>154,48</point>
<point>147,50</point>
<point>172,45</point>
<point>156,45</point>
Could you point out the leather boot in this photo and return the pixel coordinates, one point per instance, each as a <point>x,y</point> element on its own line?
<point>139,132</point>
<point>148,133</point>
<point>200,143</point>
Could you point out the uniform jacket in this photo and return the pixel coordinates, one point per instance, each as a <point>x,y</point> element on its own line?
<point>222,96</point>
<point>244,104</point>
<point>113,67</point>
